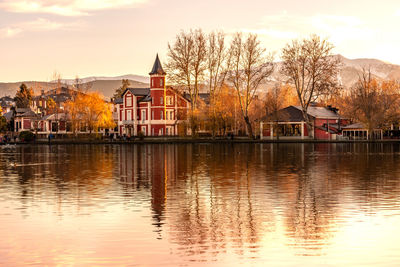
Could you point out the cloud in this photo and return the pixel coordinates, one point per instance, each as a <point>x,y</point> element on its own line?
<point>38,25</point>
<point>66,7</point>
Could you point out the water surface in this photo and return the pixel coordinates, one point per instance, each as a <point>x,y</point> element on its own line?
<point>200,204</point>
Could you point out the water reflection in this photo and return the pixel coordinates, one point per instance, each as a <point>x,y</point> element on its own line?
<point>226,204</point>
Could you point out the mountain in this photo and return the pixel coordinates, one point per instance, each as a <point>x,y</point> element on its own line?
<point>104,85</point>
<point>348,75</point>
<point>351,68</point>
<point>132,77</point>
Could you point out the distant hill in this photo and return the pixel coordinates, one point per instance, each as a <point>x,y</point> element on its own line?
<point>106,87</point>
<point>351,68</point>
<point>131,77</point>
<point>348,75</point>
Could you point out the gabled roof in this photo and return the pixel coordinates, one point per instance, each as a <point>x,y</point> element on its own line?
<point>294,114</point>
<point>118,101</point>
<point>289,113</point>
<point>8,115</point>
<point>22,110</point>
<point>59,116</point>
<point>357,125</point>
<point>27,114</point>
<point>157,68</point>
<point>320,112</point>
<point>147,98</point>
<point>138,91</point>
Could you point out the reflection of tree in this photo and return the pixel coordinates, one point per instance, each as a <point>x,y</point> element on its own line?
<point>71,174</point>
<point>216,206</point>
<point>302,189</point>
<point>211,199</point>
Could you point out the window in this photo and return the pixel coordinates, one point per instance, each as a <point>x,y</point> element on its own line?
<point>161,100</point>
<point>129,115</point>
<point>152,115</point>
<point>128,101</point>
<point>143,115</point>
<point>152,82</point>
<point>169,100</point>
<point>143,130</point>
<point>171,115</point>
<point>152,101</point>
<point>161,132</point>
<point>161,83</point>
<point>161,115</point>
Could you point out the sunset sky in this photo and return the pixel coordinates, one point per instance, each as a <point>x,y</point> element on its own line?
<point>117,37</point>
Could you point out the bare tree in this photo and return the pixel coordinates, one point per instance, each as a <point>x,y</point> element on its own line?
<point>250,68</point>
<point>57,79</point>
<point>311,68</point>
<point>218,63</point>
<point>276,99</point>
<point>186,65</point>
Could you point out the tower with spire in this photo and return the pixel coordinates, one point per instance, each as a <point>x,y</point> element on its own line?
<point>157,75</point>
<point>154,111</point>
<point>158,94</point>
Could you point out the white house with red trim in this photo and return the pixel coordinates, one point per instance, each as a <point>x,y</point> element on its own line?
<point>155,111</point>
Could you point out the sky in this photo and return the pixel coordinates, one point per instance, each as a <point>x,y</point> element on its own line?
<point>118,37</point>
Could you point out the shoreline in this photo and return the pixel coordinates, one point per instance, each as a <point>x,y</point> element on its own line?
<point>194,141</point>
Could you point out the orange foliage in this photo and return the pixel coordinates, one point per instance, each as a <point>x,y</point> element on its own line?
<point>90,110</point>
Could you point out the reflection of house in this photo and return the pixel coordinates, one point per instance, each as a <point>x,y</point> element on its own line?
<point>358,131</point>
<point>154,111</point>
<point>289,123</point>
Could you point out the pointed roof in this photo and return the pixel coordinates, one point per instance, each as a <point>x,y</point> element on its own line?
<point>157,68</point>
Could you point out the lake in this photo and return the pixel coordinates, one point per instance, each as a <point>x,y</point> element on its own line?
<point>200,204</point>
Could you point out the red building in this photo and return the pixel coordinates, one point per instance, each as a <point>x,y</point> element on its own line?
<point>155,111</point>
<point>289,123</point>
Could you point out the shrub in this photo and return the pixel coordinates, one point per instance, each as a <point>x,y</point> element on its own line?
<point>26,136</point>
<point>140,135</point>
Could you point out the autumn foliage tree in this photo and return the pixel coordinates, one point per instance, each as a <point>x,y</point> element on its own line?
<point>278,97</point>
<point>374,103</point>
<point>90,110</point>
<point>23,97</point>
<point>51,105</point>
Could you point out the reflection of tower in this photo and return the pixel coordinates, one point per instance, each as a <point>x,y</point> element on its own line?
<point>158,183</point>
<point>163,173</point>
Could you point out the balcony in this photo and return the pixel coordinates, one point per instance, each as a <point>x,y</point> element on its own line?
<point>129,122</point>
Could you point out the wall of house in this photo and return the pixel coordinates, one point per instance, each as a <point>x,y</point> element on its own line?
<point>26,124</point>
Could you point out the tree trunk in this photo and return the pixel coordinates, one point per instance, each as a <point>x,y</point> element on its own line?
<point>249,128</point>
<point>276,130</point>
<point>310,131</point>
